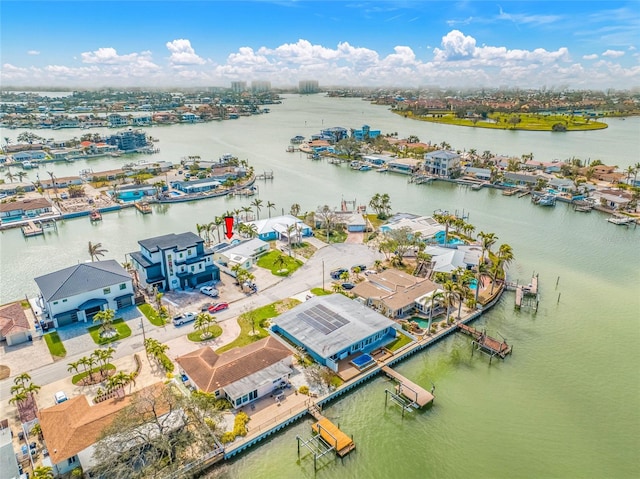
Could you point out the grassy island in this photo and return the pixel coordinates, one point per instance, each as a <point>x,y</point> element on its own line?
<point>513,121</point>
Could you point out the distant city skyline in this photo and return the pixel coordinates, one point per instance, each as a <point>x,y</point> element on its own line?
<point>84,44</point>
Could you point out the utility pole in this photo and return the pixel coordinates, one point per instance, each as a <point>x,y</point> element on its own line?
<point>322,275</point>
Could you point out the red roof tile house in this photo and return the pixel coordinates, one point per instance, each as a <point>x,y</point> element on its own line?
<point>240,375</point>
<point>72,428</point>
<point>14,324</point>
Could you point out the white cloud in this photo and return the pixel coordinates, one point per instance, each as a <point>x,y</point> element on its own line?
<point>33,52</point>
<point>182,53</point>
<point>460,60</point>
<point>613,53</point>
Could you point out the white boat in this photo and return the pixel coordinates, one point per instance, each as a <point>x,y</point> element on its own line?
<point>620,220</point>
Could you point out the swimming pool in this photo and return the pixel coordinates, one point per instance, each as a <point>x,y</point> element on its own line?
<point>363,361</point>
<point>423,323</point>
<point>174,193</point>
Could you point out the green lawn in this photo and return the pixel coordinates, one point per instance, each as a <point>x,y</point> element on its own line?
<point>528,121</point>
<point>334,237</point>
<point>254,321</point>
<point>151,314</point>
<point>271,262</point>
<point>84,374</point>
<point>196,336</point>
<point>54,343</point>
<point>320,292</point>
<point>121,328</point>
<point>401,340</point>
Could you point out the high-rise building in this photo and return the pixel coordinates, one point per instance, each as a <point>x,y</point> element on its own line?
<point>238,86</point>
<point>260,86</point>
<point>308,86</point>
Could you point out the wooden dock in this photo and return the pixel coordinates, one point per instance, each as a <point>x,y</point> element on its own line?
<point>31,229</point>
<point>485,343</point>
<point>418,396</point>
<point>527,295</point>
<point>143,207</point>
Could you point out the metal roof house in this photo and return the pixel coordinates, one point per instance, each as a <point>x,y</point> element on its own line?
<point>174,261</point>
<point>77,293</point>
<point>276,228</point>
<point>333,327</point>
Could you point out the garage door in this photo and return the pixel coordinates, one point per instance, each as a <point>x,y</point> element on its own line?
<point>124,302</point>
<point>65,319</point>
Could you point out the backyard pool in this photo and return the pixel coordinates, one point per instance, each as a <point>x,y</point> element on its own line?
<point>363,361</point>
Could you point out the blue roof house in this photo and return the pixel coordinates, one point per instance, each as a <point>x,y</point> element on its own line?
<point>334,327</point>
<point>276,228</point>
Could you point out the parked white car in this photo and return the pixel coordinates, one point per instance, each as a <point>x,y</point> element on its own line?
<point>210,291</point>
<point>59,397</point>
<point>184,318</point>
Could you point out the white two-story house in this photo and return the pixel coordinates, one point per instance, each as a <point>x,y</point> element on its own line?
<point>174,261</point>
<point>442,163</point>
<point>77,293</point>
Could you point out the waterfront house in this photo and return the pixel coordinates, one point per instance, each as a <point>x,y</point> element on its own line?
<point>562,185</point>
<point>406,166</point>
<point>483,174</point>
<point>78,292</point>
<point>189,118</point>
<point>276,228</point>
<point>333,327</point>
<point>14,324</point>
<point>522,179</point>
<point>427,226</point>
<point>114,120</point>
<point>196,186</point>
<point>14,188</point>
<point>365,133</point>
<point>141,120</point>
<point>332,135</point>
<point>240,375</point>
<point>353,221</point>
<point>174,261</point>
<point>72,428</point>
<point>614,199</point>
<point>22,156</point>
<point>442,163</point>
<point>62,182</point>
<point>134,192</point>
<point>128,140</point>
<point>244,253</point>
<point>24,209</point>
<point>393,292</point>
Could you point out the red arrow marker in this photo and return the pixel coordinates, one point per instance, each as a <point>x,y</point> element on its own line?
<point>228,226</point>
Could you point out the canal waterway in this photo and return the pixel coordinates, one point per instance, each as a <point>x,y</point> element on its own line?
<point>565,404</point>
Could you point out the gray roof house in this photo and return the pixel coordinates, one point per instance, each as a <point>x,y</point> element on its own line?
<point>80,291</point>
<point>334,327</point>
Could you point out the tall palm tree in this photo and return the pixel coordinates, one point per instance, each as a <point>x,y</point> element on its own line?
<point>96,250</point>
<point>21,175</point>
<point>105,318</point>
<point>270,206</point>
<point>295,209</point>
<point>257,204</point>
<point>54,183</point>
<point>451,295</point>
<point>73,366</point>
<point>246,210</point>
<point>202,323</point>
<point>10,176</point>
<point>437,295</point>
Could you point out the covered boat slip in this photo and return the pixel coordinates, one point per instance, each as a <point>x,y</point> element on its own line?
<point>333,436</point>
<point>416,394</point>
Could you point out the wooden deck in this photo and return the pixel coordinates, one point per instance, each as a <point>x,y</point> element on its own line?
<point>333,436</point>
<point>31,229</point>
<point>487,343</point>
<point>417,394</point>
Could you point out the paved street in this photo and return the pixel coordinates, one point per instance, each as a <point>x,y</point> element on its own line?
<point>314,273</point>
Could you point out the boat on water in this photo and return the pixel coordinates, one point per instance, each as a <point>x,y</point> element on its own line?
<point>143,207</point>
<point>620,220</point>
<point>364,167</point>
<point>296,140</point>
<point>95,216</point>
<point>477,186</point>
<point>544,200</point>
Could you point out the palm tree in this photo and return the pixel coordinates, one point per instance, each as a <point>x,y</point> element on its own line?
<point>73,366</point>
<point>104,356</point>
<point>105,317</point>
<point>451,295</point>
<point>10,176</point>
<point>43,472</point>
<point>257,204</point>
<point>21,175</point>
<point>246,210</point>
<point>281,261</point>
<point>436,295</point>
<point>202,323</point>
<point>54,183</point>
<point>487,241</point>
<point>295,209</point>
<point>96,250</point>
<point>270,206</point>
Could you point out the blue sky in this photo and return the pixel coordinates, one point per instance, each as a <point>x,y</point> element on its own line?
<point>574,44</point>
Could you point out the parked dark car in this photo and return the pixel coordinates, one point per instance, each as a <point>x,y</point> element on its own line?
<point>336,273</point>
<point>348,286</point>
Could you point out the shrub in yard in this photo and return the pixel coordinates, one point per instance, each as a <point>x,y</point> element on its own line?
<point>304,390</point>
<point>227,437</point>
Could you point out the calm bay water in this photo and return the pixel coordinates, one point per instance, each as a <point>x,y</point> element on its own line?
<point>565,404</point>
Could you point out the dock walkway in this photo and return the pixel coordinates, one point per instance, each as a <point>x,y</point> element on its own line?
<point>418,395</point>
<point>332,435</point>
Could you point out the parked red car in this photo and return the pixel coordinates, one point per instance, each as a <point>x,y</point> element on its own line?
<point>214,308</point>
